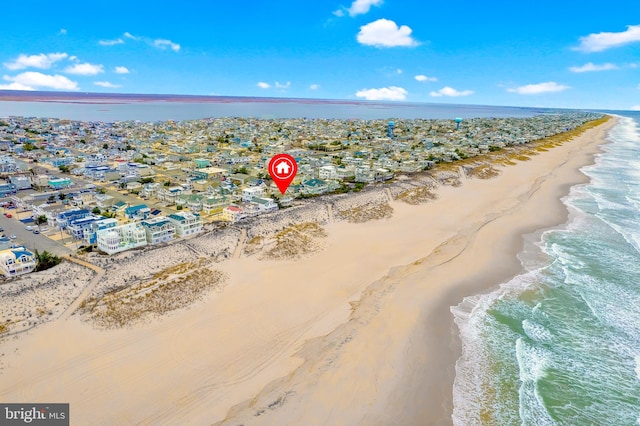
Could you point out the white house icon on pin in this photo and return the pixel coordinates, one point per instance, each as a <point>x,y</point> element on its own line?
<point>282,168</point>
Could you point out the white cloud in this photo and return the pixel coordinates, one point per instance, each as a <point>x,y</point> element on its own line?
<point>590,66</point>
<point>421,78</point>
<point>534,89</point>
<point>129,35</point>
<point>635,108</point>
<point>163,44</point>
<point>391,93</point>
<point>339,13</point>
<point>62,31</point>
<point>399,71</point>
<point>450,91</point>
<point>111,42</point>
<point>314,86</point>
<point>84,69</point>
<point>602,41</point>
<point>283,85</point>
<point>263,85</point>
<point>360,7</point>
<point>38,79</point>
<point>122,70</point>
<point>41,61</point>
<point>385,33</point>
<point>15,86</point>
<point>106,84</point>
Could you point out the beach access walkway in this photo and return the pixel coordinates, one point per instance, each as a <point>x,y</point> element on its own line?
<point>87,290</point>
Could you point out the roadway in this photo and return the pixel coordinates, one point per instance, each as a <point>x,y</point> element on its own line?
<point>30,240</point>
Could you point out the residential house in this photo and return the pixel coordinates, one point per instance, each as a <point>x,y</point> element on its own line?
<point>265,204</point>
<point>16,261</point>
<point>159,230</point>
<point>21,182</point>
<point>255,191</point>
<point>59,183</point>
<point>233,213</point>
<point>315,187</point>
<point>66,217</point>
<point>121,238</point>
<point>137,212</point>
<point>91,236</point>
<point>186,223</point>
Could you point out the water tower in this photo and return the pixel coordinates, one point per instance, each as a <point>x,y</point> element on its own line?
<point>390,127</point>
<point>458,121</point>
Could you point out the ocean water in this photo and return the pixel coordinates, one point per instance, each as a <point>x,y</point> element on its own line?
<point>159,110</point>
<point>560,343</point>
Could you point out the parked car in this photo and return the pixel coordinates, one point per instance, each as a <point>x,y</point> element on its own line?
<point>44,228</point>
<point>1,229</point>
<point>8,215</point>
<point>29,228</point>
<point>35,231</point>
<point>13,236</point>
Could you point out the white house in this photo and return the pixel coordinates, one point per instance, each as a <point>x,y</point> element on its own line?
<point>159,229</point>
<point>327,172</point>
<point>121,238</point>
<point>186,223</point>
<point>250,193</point>
<point>16,261</point>
<point>265,204</point>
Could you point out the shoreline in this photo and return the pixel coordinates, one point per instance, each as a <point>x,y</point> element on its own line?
<point>423,393</point>
<point>257,339</point>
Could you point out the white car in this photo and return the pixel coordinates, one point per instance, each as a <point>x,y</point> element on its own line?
<point>29,228</point>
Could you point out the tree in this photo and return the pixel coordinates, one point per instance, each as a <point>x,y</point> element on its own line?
<point>101,190</point>
<point>46,260</point>
<point>62,196</point>
<point>105,146</point>
<point>29,146</point>
<point>41,219</point>
<point>52,198</point>
<point>63,168</point>
<point>96,210</point>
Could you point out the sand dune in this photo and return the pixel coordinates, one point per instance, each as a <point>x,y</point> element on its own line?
<point>358,333</point>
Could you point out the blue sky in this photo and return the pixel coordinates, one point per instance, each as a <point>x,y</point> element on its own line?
<point>544,53</point>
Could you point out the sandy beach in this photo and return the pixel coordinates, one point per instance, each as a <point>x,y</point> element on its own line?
<point>356,331</point>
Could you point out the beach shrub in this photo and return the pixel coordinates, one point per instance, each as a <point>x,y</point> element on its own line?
<point>46,260</point>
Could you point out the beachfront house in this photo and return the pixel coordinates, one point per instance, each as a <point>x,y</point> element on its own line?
<point>16,261</point>
<point>91,236</point>
<point>121,238</point>
<point>233,213</point>
<point>314,187</point>
<point>250,193</point>
<point>265,204</point>
<point>159,230</point>
<point>186,223</point>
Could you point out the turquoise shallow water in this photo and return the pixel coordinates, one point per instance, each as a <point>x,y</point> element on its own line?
<point>560,344</point>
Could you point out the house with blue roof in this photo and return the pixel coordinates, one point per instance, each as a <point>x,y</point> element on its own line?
<point>99,225</point>
<point>159,229</point>
<point>186,223</point>
<point>16,261</point>
<point>137,212</point>
<point>80,228</point>
<point>66,217</point>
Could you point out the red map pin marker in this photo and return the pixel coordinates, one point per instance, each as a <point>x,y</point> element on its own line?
<point>283,169</point>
